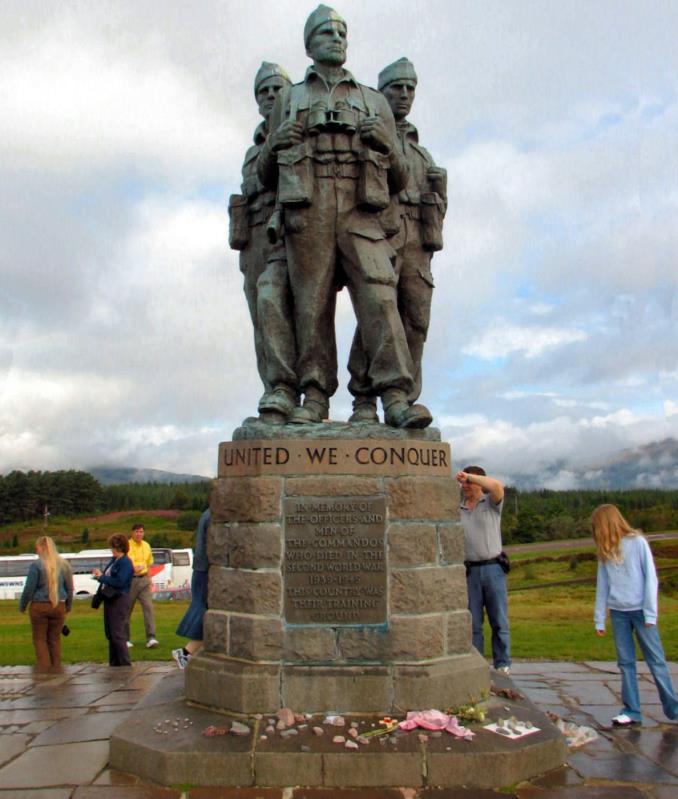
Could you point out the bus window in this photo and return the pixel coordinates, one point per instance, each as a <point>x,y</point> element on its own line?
<point>162,555</point>
<point>181,559</point>
<point>15,567</point>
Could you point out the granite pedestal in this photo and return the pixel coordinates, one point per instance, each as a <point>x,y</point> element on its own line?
<point>336,578</point>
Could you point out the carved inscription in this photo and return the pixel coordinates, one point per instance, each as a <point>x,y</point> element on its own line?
<point>335,568</point>
<point>313,456</point>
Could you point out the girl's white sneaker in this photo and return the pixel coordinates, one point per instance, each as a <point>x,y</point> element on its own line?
<point>622,720</point>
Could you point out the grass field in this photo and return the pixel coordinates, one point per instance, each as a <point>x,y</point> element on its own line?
<point>67,531</point>
<point>86,641</point>
<point>548,622</point>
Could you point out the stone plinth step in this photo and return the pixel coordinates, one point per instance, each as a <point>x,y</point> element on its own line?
<point>162,740</point>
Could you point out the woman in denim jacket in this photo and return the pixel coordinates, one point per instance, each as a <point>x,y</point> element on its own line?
<point>49,591</point>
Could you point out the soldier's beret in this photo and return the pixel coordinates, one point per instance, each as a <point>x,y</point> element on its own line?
<point>402,69</point>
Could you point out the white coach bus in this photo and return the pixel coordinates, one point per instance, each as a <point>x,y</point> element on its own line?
<point>171,570</point>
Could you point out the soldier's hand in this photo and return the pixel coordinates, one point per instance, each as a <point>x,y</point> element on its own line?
<point>375,134</point>
<point>288,134</point>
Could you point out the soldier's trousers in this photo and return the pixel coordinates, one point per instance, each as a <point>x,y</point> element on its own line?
<point>415,291</point>
<point>268,297</point>
<point>329,235</point>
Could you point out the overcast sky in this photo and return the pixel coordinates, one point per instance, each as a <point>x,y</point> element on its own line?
<point>124,334</point>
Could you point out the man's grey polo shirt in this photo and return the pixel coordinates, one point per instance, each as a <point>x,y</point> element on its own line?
<point>482,529</point>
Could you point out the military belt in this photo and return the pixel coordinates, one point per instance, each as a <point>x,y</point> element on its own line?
<point>336,170</point>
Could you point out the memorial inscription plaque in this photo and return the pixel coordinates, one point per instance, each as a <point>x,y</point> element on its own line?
<point>335,568</point>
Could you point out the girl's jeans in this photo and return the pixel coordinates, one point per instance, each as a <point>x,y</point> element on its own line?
<point>624,624</point>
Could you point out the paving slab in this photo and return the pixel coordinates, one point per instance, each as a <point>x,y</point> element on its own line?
<point>111,776</point>
<point>11,685</point>
<point>620,767</point>
<point>92,727</point>
<point>11,746</point>
<point>37,793</point>
<point>59,697</point>
<point>539,696</point>
<point>611,667</point>
<point>659,746</point>
<point>546,667</point>
<point>46,766</point>
<point>588,792</point>
<point>341,793</point>
<point>247,793</point>
<point>464,793</point>
<point>562,777</point>
<point>589,693</point>
<point>96,679</point>
<point>129,792</point>
<point>119,697</point>
<point>27,715</point>
<point>144,682</point>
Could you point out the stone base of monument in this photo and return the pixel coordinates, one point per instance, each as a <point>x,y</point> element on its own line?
<point>336,585</point>
<point>336,579</point>
<point>162,740</point>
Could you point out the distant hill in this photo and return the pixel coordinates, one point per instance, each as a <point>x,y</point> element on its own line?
<point>653,465</point>
<point>109,475</point>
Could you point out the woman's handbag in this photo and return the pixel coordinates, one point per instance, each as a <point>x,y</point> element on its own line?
<point>104,591</point>
<point>98,598</point>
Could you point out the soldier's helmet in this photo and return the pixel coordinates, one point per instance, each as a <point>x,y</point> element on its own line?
<point>316,18</point>
<point>268,70</point>
<point>402,69</point>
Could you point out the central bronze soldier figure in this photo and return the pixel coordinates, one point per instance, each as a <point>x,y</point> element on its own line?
<point>332,155</point>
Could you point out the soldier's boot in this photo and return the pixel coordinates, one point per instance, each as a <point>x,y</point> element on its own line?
<point>281,400</point>
<point>399,413</point>
<point>316,407</point>
<point>364,410</point>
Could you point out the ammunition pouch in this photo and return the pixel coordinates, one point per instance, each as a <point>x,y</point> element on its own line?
<point>295,176</point>
<point>432,214</point>
<point>238,212</point>
<point>372,191</point>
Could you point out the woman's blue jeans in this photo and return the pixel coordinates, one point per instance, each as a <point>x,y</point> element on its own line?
<point>624,624</point>
<point>487,589</point>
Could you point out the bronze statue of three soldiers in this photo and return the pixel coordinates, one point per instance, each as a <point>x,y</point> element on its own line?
<point>337,191</point>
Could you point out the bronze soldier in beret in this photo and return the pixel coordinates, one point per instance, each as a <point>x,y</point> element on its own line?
<point>264,266</point>
<point>415,221</point>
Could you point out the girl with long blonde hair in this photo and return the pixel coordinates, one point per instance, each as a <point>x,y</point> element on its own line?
<point>49,591</point>
<point>627,585</point>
